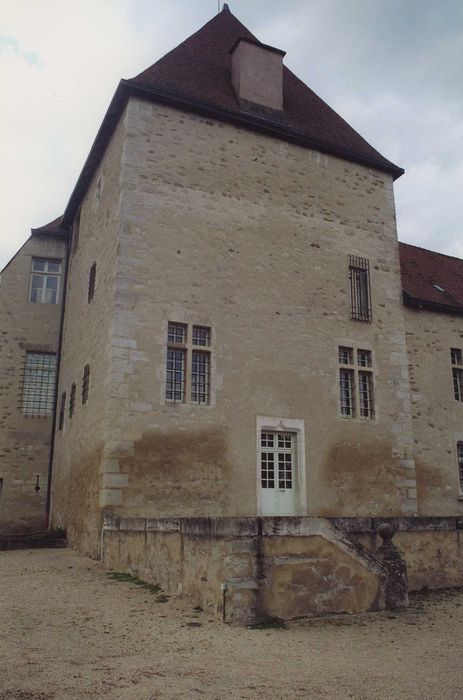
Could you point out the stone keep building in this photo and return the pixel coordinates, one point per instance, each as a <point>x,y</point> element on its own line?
<point>237,339</point>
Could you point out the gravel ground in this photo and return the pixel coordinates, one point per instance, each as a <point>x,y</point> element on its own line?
<point>68,631</point>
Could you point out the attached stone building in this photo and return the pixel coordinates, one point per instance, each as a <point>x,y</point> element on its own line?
<point>234,342</point>
<point>31,289</point>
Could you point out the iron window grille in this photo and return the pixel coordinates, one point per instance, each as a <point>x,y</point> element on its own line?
<point>45,281</point>
<point>457,373</point>
<point>360,291</point>
<point>188,369</point>
<point>62,408</point>
<point>91,283</point>
<point>175,382</point>
<point>200,377</point>
<point>72,400</point>
<point>460,465</point>
<point>356,390</point>
<point>85,383</point>
<point>38,384</point>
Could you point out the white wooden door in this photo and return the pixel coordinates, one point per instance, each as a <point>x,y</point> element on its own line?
<point>278,469</point>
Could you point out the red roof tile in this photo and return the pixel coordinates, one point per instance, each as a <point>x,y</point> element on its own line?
<point>422,270</point>
<point>200,69</point>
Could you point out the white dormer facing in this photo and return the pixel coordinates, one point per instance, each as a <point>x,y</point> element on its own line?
<point>257,75</point>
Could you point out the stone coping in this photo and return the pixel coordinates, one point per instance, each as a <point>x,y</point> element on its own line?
<point>275,526</point>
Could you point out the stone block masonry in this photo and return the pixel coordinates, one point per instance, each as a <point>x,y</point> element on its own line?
<point>248,570</point>
<point>25,440</point>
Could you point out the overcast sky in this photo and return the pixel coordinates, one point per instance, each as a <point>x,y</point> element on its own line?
<point>392,68</point>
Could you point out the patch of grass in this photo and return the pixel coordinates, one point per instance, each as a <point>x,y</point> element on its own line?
<point>128,578</point>
<point>271,623</point>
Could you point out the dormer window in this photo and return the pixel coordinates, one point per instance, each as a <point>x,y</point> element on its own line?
<point>257,77</point>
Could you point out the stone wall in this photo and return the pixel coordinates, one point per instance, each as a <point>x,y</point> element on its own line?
<point>248,569</point>
<point>81,470</point>
<point>24,440</point>
<point>250,236</point>
<point>260,568</point>
<point>432,547</point>
<point>437,416</point>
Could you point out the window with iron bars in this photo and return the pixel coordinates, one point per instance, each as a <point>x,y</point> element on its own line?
<point>360,292</point>
<point>38,384</point>
<point>356,391</point>
<point>72,400</point>
<point>457,373</point>
<point>85,383</point>
<point>91,283</point>
<point>188,368</point>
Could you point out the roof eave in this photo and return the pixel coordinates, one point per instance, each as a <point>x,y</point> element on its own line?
<point>127,88</point>
<point>256,123</point>
<point>427,305</point>
<point>97,150</point>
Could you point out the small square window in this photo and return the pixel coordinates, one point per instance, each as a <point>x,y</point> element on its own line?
<point>201,336</point>
<point>364,358</point>
<point>176,333</point>
<point>345,356</point>
<point>266,439</point>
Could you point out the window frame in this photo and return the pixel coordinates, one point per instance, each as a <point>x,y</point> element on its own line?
<point>45,274</point>
<point>459,455</point>
<point>34,403</point>
<point>356,363</point>
<point>190,342</point>
<point>360,289</point>
<point>272,424</point>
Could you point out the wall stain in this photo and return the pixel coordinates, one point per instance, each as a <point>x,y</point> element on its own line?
<point>83,512</point>
<point>179,472</point>
<point>361,479</point>
<point>429,483</point>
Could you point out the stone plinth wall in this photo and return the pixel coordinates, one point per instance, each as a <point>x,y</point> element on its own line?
<point>249,569</point>
<point>431,546</point>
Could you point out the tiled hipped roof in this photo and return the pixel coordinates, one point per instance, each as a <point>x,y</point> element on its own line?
<point>200,69</point>
<point>196,76</point>
<point>431,280</point>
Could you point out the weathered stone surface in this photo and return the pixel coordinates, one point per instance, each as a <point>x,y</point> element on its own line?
<point>24,441</point>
